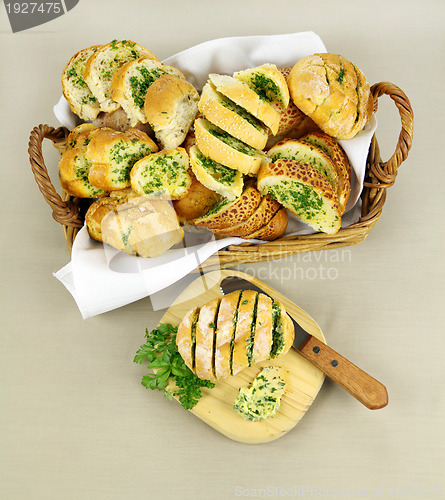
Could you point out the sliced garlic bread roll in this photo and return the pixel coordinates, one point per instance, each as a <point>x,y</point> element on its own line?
<point>234,332</point>
<point>104,64</point>
<point>223,148</point>
<point>75,89</point>
<point>163,174</point>
<point>304,191</point>
<point>293,149</point>
<point>231,118</point>
<point>223,180</point>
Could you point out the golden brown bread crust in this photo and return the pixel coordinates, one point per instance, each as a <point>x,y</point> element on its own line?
<point>95,214</point>
<point>234,212</point>
<point>275,228</point>
<point>333,149</point>
<point>262,215</point>
<point>197,202</point>
<point>333,92</point>
<point>79,136</point>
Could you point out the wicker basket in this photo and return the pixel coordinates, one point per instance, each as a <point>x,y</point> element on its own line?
<point>70,211</point>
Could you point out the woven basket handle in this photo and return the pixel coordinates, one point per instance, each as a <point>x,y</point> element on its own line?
<point>386,172</point>
<point>65,212</point>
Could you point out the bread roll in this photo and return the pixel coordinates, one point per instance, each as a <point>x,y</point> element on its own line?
<point>273,229</point>
<point>103,65</point>
<point>112,155</point>
<point>171,105</point>
<point>333,92</point>
<point>228,213</point>
<point>232,333</point>
<point>223,148</point>
<point>197,202</point>
<point>75,90</point>
<point>304,191</point>
<point>79,136</point>
<point>225,181</point>
<point>164,174</point>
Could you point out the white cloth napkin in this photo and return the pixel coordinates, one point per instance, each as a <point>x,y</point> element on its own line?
<point>101,278</point>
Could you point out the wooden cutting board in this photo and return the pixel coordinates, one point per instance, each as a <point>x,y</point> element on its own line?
<point>303,380</point>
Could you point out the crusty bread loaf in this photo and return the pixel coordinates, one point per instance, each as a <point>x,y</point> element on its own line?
<point>228,213</point>
<point>223,148</point>
<point>232,333</point>
<point>275,228</point>
<point>241,94</point>
<point>162,175</point>
<point>112,155</point>
<point>79,136</point>
<point>333,149</point>
<point>103,65</point>
<point>223,180</point>
<point>333,92</point>
<point>197,202</point>
<point>75,90</point>
<point>130,84</point>
<point>304,191</point>
<point>262,215</point>
<point>293,149</point>
<point>231,118</point>
<point>137,225</point>
<point>74,169</point>
<point>171,105</point>
<point>268,82</point>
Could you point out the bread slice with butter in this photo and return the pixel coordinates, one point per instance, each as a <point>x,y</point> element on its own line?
<point>304,191</point>
<point>105,63</point>
<point>186,336</point>
<point>231,118</point>
<point>223,148</point>
<point>79,136</point>
<point>333,149</point>
<point>268,82</point>
<point>112,155</point>
<point>223,180</point>
<point>75,89</point>
<point>302,152</point>
<point>235,332</point>
<point>241,94</point>
<point>131,83</point>
<point>162,175</point>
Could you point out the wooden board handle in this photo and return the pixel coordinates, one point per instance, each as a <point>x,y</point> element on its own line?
<point>358,383</point>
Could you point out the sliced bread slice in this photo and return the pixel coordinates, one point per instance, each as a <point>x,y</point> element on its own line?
<point>228,213</point>
<point>204,342</point>
<point>131,82</point>
<point>283,331</point>
<point>294,149</point>
<point>333,149</point>
<point>74,170</point>
<point>162,174</point>
<point>262,215</point>
<point>75,89</point>
<point>171,105</point>
<point>223,148</point>
<point>79,136</point>
<point>268,82</point>
<point>241,94</point>
<point>262,343</point>
<point>304,191</point>
<point>241,355</point>
<point>112,155</point>
<point>225,330</point>
<point>186,337</point>
<point>103,65</point>
<point>232,118</point>
<point>223,180</point>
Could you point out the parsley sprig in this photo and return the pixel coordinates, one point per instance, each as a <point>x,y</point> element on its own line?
<point>162,354</point>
